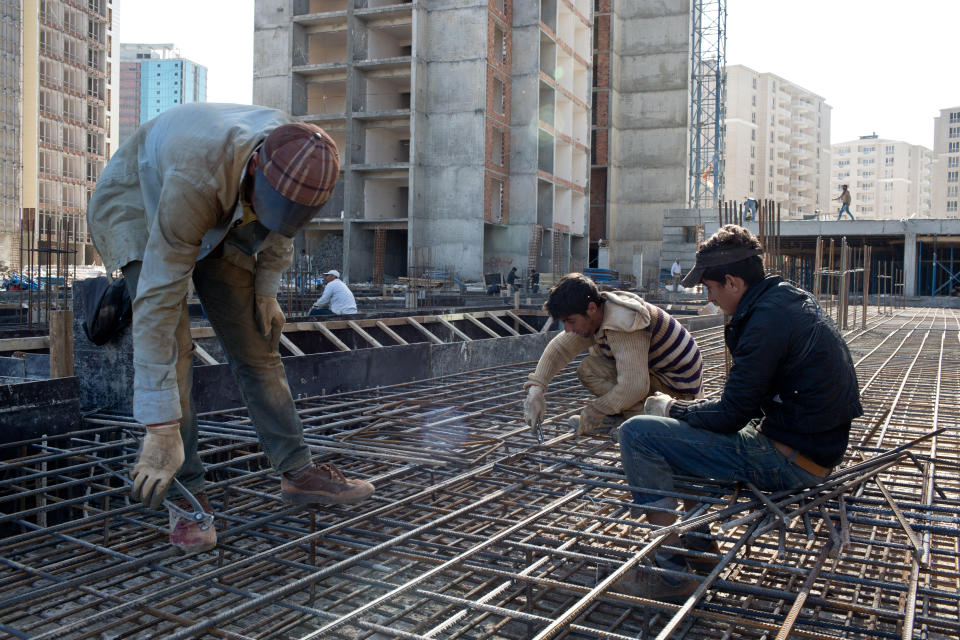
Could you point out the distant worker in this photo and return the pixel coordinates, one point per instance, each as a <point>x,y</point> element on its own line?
<point>636,349</point>
<point>214,193</point>
<point>782,421</point>
<point>534,280</point>
<point>512,280</point>
<point>844,199</point>
<point>749,208</point>
<point>303,269</point>
<point>337,299</point>
<point>675,273</point>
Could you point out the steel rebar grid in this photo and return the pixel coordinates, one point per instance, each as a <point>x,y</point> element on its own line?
<point>477,532</point>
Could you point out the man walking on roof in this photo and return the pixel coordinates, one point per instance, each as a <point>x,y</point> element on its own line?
<point>844,199</point>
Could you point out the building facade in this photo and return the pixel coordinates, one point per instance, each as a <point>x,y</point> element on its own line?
<point>887,179</point>
<point>777,142</point>
<point>464,129</point>
<point>67,133</point>
<point>946,167</point>
<point>153,78</point>
<point>11,157</point>
<point>603,19</point>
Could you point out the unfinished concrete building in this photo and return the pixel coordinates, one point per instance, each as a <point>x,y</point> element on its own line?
<point>648,103</point>
<point>464,128</point>
<point>67,94</point>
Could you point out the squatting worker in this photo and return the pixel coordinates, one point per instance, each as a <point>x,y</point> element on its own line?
<point>214,192</point>
<point>782,421</point>
<point>635,348</point>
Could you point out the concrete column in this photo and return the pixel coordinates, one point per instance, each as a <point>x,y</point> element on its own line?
<point>910,264</point>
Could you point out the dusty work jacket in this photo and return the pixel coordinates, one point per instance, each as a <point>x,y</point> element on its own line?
<point>642,340</point>
<point>791,370</point>
<point>168,197</point>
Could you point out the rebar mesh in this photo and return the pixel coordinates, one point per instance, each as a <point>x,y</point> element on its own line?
<point>478,531</point>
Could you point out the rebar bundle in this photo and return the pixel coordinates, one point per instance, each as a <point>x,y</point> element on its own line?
<point>478,531</point>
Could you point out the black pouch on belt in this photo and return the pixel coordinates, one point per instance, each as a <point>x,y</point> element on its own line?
<point>106,307</point>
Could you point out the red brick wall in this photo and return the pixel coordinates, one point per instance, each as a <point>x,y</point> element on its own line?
<point>490,192</point>
<point>600,134</point>
<point>598,203</point>
<point>603,33</point>
<point>507,13</point>
<point>498,68</point>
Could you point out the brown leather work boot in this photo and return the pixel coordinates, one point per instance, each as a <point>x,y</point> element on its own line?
<point>643,583</point>
<point>322,484</point>
<point>701,564</point>
<point>187,535</point>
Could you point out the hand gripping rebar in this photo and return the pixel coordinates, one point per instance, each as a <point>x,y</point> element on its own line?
<point>202,519</point>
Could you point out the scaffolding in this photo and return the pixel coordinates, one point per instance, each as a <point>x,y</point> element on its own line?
<point>707,102</point>
<point>477,530</point>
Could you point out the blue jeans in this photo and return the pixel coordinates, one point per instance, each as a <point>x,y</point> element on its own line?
<point>227,294</point>
<point>321,312</point>
<point>652,449</point>
<point>845,209</point>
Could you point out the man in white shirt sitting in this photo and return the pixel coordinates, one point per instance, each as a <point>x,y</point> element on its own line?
<point>337,299</point>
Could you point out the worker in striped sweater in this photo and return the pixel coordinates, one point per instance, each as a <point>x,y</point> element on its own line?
<point>636,349</point>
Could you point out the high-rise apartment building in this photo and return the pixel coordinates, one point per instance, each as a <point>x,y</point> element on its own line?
<point>153,78</point>
<point>64,123</point>
<point>887,179</point>
<point>464,129</point>
<point>946,166</point>
<point>777,142</point>
<point>11,159</point>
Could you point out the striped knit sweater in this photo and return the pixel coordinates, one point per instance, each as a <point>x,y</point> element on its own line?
<point>643,339</point>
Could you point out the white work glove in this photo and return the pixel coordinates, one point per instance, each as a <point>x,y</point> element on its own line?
<point>534,406</point>
<point>590,421</point>
<point>160,458</point>
<point>658,405</point>
<point>268,315</point>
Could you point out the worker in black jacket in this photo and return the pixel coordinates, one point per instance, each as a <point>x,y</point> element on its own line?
<point>782,421</point>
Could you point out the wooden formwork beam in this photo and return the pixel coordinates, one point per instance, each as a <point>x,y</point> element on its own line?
<point>422,329</point>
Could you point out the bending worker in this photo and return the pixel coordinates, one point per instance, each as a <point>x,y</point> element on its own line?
<point>635,350</point>
<point>782,421</point>
<point>214,193</point>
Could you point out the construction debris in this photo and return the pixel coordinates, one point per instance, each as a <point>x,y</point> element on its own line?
<point>477,530</point>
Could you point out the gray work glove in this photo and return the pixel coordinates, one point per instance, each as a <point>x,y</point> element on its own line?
<point>534,406</point>
<point>268,315</point>
<point>160,459</point>
<point>658,405</point>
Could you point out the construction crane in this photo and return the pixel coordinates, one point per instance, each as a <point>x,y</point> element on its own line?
<point>707,102</point>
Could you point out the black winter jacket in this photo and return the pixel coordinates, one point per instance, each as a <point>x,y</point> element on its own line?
<point>791,369</point>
